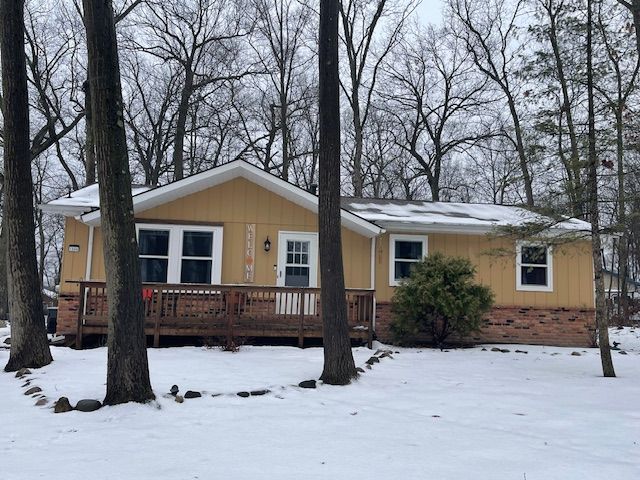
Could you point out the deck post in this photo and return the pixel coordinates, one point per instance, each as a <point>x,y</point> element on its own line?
<point>230,313</point>
<point>80,319</point>
<point>158,312</point>
<point>370,314</point>
<point>301,322</point>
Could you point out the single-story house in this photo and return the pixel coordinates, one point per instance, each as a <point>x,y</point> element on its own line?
<point>233,251</point>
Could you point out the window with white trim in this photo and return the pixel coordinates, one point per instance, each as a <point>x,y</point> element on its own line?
<point>404,251</point>
<point>534,267</point>
<point>153,250</point>
<point>180,253</point>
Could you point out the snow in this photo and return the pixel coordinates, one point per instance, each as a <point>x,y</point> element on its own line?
<point>394,213</point>
<point>83,200</point>
<point>456,414</point>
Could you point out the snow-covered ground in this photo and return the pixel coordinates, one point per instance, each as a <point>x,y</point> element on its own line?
<point>425,414</point>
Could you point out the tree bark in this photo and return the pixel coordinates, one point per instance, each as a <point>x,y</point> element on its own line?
<point>89,147</point>
<point>601,309</point>
<point>339,367</point>
<point>29,345</point>
<point>623,248</point>
<point>127,365</point>
<point>4,294</point>
<point>181,125</point>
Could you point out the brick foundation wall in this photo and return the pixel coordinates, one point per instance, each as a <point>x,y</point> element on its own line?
<point>565,327</point>
<point>68,304</point>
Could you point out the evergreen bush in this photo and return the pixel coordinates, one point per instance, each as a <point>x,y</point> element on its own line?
<point>440,297</point>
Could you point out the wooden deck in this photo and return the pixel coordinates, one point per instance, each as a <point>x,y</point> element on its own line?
<point>227,311</point>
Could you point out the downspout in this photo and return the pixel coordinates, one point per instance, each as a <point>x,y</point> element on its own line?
<point>373,279</point>
<point>87,272</point>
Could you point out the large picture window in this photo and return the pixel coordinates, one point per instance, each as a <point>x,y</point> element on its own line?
<point>534,267</point>
<point>180,254</point>
<point>404,251</point>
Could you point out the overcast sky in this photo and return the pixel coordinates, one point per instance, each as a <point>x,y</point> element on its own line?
<point>430,11</point>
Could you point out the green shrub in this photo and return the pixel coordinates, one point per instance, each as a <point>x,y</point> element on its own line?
<point>440,298</point>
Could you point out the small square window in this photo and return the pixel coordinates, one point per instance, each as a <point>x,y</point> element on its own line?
<point>405,251</point>
<point>534,267</point>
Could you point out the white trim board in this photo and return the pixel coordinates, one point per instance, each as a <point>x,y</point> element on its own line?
<point>229,171</point>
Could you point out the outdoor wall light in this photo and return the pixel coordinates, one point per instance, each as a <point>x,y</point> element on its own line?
<point>267,245</point>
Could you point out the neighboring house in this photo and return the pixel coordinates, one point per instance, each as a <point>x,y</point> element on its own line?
<point>613,286</point>
<point>233,251</point>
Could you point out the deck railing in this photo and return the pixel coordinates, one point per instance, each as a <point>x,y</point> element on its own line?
<point>227,311</point>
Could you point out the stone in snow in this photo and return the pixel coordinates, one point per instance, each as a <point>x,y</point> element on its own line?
<point>88,405</point>
<point>22,372</point>
<point>33,390</point>
<point>62,405</point>
<point>192,394</point>
<point>307,384</point>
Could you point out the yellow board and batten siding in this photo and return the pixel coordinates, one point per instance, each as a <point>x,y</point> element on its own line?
<point>572,269</point>
<point>232,205</point>
<point>238,202</point>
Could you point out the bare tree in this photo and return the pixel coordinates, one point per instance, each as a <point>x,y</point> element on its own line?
<point>557,16</point>
<point>29,345</point>
<point>436,98</point>
<point>624,67</point>
<point>127,365</point>
<point>594,211</point>
<point>150,112</point>
<point>281,30</point>
<point>199,37</point>
<point>339,367</point>
<point>634,7</point>
<point>362,24</point>
<point>487,28</point>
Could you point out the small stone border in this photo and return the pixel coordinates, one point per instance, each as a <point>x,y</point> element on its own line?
<point>63,405</point>
<point>306,384</point>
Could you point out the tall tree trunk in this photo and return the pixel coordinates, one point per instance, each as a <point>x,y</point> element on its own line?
<point>339,367</point>
<point>522,156</point>
<point>594,213</point>
<point>127,366</point>
<point>4,294</point>
<point>623,248</point>
<point>181,126</point>
<point>90,152</point>
<point>285,136</point>
<point>575,188</point>
<point>29,345</point>
<point>357,179</point>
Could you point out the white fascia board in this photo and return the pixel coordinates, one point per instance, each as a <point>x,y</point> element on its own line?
<point>229,171</point>
<point>404,227</point>
<point>66,210</point>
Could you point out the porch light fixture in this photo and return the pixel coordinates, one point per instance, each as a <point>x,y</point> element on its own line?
<point>267,245</point>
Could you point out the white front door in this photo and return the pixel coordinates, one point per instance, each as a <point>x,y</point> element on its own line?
<point>297,267</point>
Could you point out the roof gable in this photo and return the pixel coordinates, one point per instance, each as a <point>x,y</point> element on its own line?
<point>151,198</point>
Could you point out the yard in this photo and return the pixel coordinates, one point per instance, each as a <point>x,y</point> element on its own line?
<point>423,414</point>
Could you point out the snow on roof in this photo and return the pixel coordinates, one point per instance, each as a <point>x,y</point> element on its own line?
<point>83,200</point>
<point>426,216</point>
